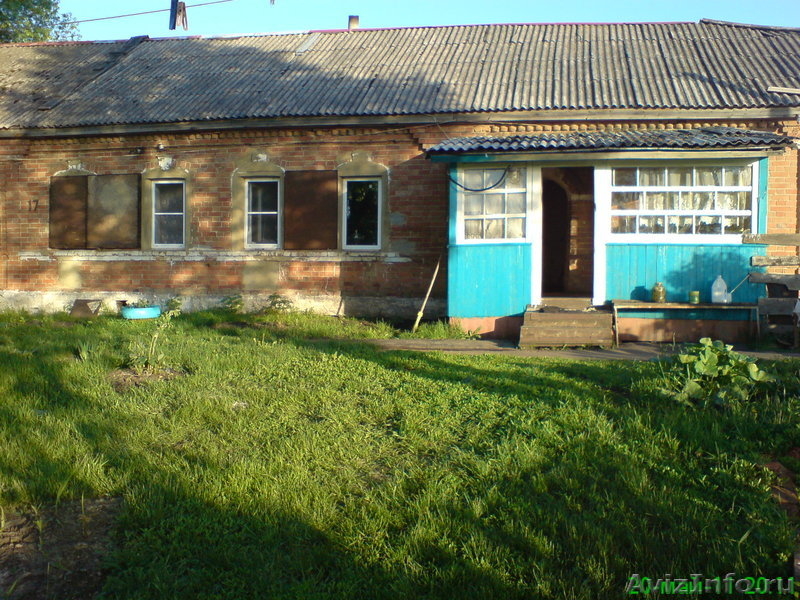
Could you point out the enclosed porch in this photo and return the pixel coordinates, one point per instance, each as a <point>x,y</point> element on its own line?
<point>547,230</point>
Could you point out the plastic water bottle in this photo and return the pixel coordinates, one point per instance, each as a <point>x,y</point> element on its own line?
<point>719,291</point>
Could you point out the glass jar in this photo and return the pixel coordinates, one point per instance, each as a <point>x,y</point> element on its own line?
<point>659,293</point>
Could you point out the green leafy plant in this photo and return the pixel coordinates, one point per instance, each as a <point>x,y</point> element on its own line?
<point>711,372</point>
<point>141,304</point>
<point>175,304</point>
<point>234,304</point>
<point>144,355</point>
<point>278,303</point>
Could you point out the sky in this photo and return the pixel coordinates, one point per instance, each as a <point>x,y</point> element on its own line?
<point>259,16</point>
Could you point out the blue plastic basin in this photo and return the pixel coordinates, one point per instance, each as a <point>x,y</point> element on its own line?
<point>140,312</point>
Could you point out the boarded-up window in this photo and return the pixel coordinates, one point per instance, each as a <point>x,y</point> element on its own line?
<point>311,210</point>
<point>94,211</point>
<point>68,197</point>
<point>113,211</point>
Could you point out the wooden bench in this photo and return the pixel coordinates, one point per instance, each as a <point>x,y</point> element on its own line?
<point>638,305</point>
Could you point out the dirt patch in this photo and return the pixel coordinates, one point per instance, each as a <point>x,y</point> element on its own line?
<point>123,379</point>
<point>57,553</point>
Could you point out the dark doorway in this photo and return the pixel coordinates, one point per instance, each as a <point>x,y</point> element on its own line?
<point>555,237</point>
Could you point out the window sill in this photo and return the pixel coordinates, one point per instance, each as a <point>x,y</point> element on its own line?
<point>207,255</point>
<point>676,239</point>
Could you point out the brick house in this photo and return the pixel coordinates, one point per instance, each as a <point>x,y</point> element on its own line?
<point>336,168</point>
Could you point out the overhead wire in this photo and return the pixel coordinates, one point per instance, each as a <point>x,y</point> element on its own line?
<point>148,12</point>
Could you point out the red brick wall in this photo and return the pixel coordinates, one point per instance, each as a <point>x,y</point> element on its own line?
<point>417,206</point>
<point>784,195</point>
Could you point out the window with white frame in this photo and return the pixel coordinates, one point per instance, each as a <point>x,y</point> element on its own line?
<point>493,204</point>
<point>263,212</point>
<point>362,213</point>
<point>168,213</point>
<point>682,200</point>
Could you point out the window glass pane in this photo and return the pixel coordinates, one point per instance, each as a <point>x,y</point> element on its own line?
<point>515,228</point>
<point>473,229</point>
<point>623,224</point>
<point>738,176</point>
<point>168,197</point>
<point>168,229</point>
<point>493,229</point>
<point>708,224</point>
<point>699,200</point>
<point>625,176</point>
<point>679,176</point>
<point>473,179</point>
<point>708,176</point>
<point>515,204</point>
<point>362,213</point>
<point>493,204</point>
<point>651,224</point>
<point>651,176</point>
<point>515,178</point>
<point>737,225</point>
<point>733,200</point>
<point>654,201</point>
<point>473,204</point>
<point>686,201</point>
<point>263,196</point>
<point>263,229</point>
<point>492,177</point>
<point>625,200</point>
<point>679,224</point>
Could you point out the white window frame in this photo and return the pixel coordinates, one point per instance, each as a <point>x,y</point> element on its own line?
<point>605,213</point>
<point>247,212</point>
<point>527,189</point>
<point>345,182</point>
<point>156,214</point>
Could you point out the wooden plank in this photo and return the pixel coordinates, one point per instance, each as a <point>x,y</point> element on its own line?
<point>775,261</point>
<point>638,305</point>
<point>790,281</point>
<point>783,90</point>
<point>68,195</point>
<point>113,205</point>
<point>774,239</point>
<point>776,306</point>
<point>567,319</point>
<point>311,210</point>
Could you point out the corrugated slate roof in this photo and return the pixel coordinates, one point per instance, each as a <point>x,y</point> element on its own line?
<point>706,138</point>
<point>405,71</point>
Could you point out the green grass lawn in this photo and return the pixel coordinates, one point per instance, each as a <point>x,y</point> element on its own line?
<point>279,466</point>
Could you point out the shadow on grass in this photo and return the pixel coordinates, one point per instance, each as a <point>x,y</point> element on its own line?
<point>173,542</point>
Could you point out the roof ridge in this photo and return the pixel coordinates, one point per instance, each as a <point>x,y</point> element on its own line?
<point>704,21</point>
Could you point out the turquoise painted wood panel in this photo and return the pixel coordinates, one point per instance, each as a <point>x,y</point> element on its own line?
<point>488,280</point>
<point>763,199</point>
<point>633,269</point>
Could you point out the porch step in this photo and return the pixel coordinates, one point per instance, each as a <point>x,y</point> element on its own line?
<point>568,328</point>
<point>566,302</point>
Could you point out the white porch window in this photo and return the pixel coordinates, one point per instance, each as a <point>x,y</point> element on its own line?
<point>682,203</point>
<point>493,204</point>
